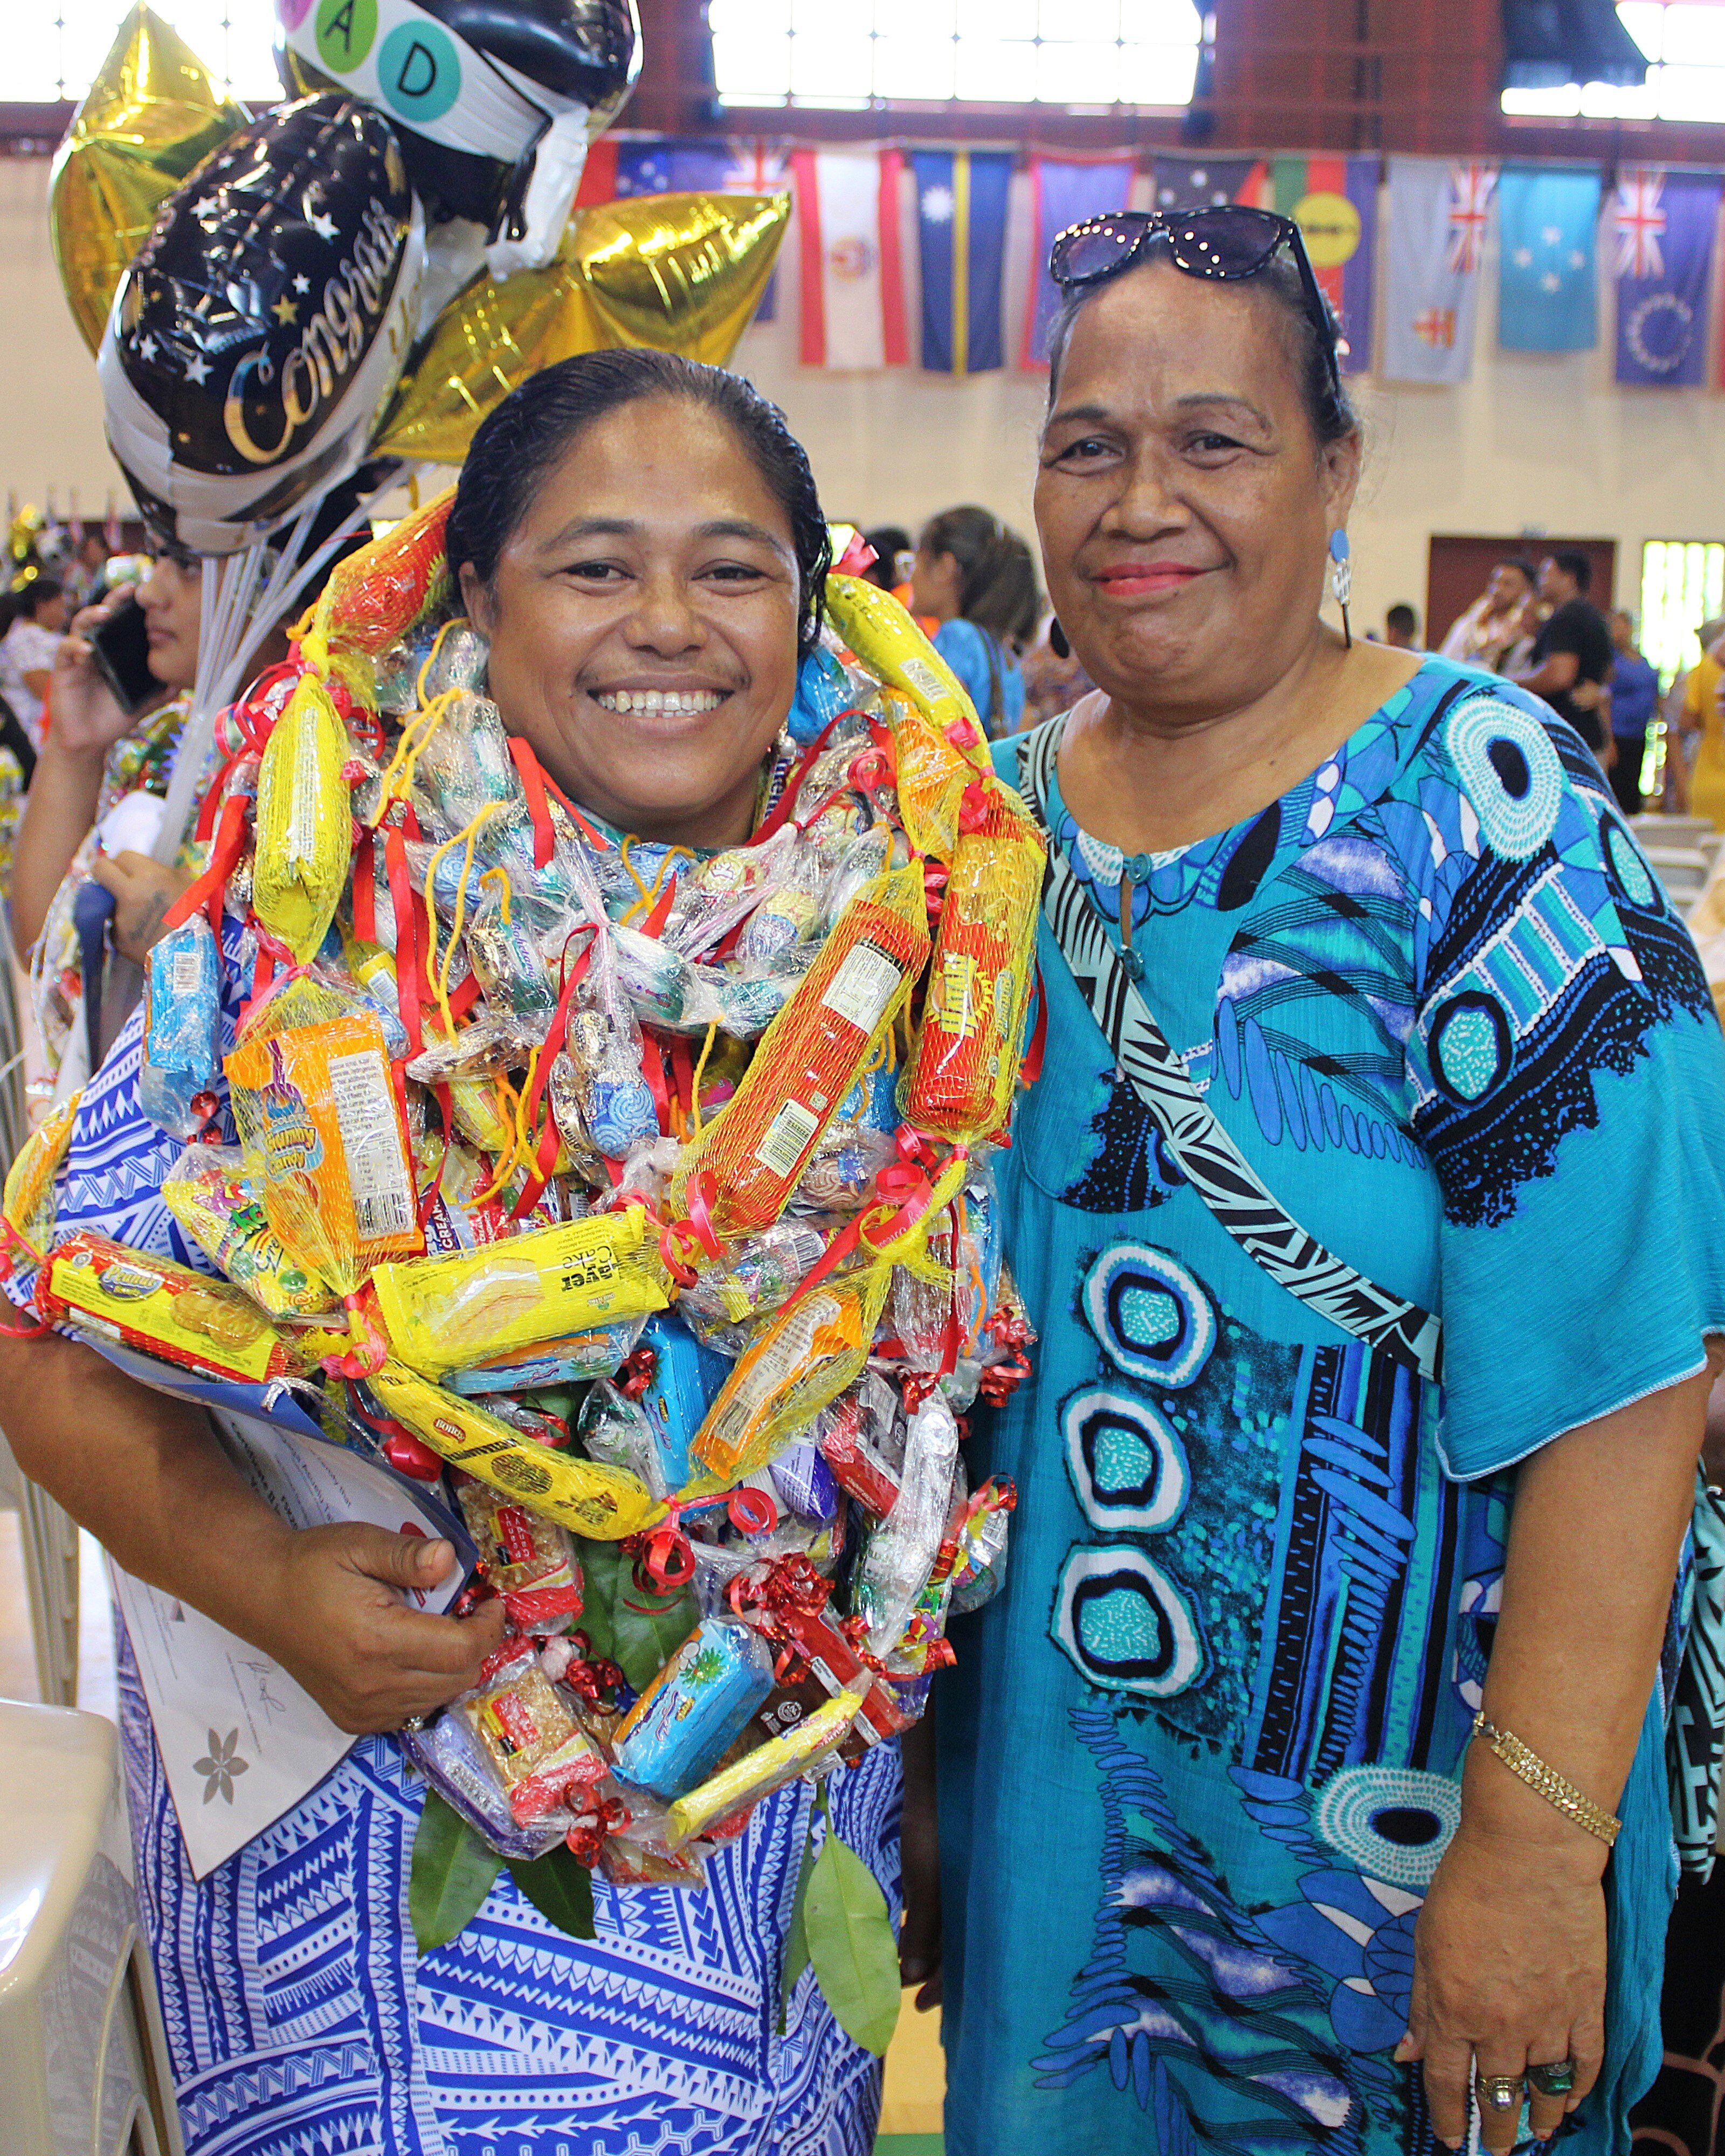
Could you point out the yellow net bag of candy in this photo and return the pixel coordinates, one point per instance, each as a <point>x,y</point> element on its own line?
<point>304,821</point>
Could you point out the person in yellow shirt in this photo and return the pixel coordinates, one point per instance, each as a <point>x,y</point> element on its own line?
<point>1704,780</point>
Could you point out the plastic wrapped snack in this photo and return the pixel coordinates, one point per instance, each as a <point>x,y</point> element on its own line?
<point>686,1379</point>
<point>304,821</point>
<point>208,1193</point>
<point>768,1767</point>
<point>810,1057</point>
<point>530,1562</point>
<point>900,1554</point>
<point>29,1200</point>
<point>687,1719</point>
<point>459,1769</point>
<point>477,1306</point>
<point>182,1005</point>
<point>756,1275</point>
<point>617,1110</point>
<point>324,1133</point>
<point>887,641</point>
<point>540,1752</point>
<point>602,1503</point>
<point>804,1356</point>
<point>961,1078</point>
<point>556,1363</point>
<point>163,1309</point>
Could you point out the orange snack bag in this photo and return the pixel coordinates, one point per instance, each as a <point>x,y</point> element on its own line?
<point>959,1084</point>
<point>814,1052</point>
<point>325,1136</point>
<point>803,1360</point>
<point>163,1309</point>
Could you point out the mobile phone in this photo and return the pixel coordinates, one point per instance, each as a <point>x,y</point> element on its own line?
<point>120,647</point>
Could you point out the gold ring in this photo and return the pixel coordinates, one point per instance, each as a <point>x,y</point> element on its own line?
<point>1499,2091</point>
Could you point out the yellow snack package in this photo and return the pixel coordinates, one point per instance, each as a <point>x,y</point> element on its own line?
<point>209,1193</point>
<point>325,1136</point>
<point>603,1503</point>
<point>304,821</point>
<point>959,1084</point>
<point>768,1768</point>
<point>29,1203</point>
<point>804,1358</point>
<point>881,632</point>
<point>161,1308</point>
<point>932,776</point>
<point>445,1313</point>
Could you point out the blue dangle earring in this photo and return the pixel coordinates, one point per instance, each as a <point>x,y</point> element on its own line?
<point>1341,582</point>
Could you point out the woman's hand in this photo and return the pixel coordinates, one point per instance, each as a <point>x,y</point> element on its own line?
<point>143,891</point>
<point>86,718</point>
<point>336,1609</point>
<point>1509,1972</point>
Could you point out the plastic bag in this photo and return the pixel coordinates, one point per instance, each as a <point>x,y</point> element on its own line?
<point>182,1010</point>
<point>208,1193</point>
<point>163,1309</point>
<point>689,1716</point>
<point>303,839</point>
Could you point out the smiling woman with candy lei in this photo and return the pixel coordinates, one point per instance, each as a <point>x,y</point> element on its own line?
<point>573,1075</point>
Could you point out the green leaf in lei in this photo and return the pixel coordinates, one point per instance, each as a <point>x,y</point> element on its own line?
<point>452,1874</point>
<point>560,1889</point>
<point>851,1944</point>
<point>640,1632</point>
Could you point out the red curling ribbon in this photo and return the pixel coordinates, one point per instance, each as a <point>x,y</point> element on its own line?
<point>407,947</point>
<point>205,893</point>
<point>664,1561</point>
<point>857,556</point>
<point>699,1196</point>
<point>654,924</point>
<point>538,807</point>
<point>682,1074</point>
<point>751,1511</point>
<point>369,1358</point>
<point>365,889</point>
<point>545,1157</point>
<point>462,999</point>
<point>653,1071</point>
<point>408,1456</point>
<point>973,807</point>
<point>798,772</point>
<point>635,1373</point>
<point>999,1381</point>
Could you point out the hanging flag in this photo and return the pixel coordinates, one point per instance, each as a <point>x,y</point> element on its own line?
<point>1334,201</point>
<point>1065,192</point>
<point>1204,182</point>
<point>961,226</point>
<point>853,278</point>
<point>1438,215</point>
<point>1547,217</point>
<point>1663,224</point>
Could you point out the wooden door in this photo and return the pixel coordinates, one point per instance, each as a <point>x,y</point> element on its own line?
<point>1457,568</point>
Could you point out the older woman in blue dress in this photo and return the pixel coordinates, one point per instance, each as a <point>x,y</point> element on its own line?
<point>1331,1791</point>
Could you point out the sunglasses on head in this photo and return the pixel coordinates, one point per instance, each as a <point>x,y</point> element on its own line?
<point>1228,241</point>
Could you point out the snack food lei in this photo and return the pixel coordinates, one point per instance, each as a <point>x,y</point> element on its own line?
<point>641,1197</point>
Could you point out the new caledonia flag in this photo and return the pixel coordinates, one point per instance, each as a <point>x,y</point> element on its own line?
<point>1334,201</point>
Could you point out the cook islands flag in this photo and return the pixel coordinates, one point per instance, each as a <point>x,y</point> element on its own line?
<point>1663,227</point>
<point>1438,216</point>
<point>1334,201</point>
<point>1547,217</point>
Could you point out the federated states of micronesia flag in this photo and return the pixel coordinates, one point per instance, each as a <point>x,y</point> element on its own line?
<point>1548,224</point>
<point>961,227</point>
<point>1663,227</point>
<point>1063,192</point>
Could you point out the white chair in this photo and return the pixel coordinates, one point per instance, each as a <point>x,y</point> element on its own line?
<point>83,2060</point>
<point>49,1542</point>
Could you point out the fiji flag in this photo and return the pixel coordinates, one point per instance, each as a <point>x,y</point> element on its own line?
<point>1665,223</point>
<point>1066,191</point>
<point>961,227</point>
<point>1334,201</point>
<point>1547,221</point>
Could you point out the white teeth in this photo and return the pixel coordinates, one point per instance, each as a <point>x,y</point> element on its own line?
<point>660,703</point>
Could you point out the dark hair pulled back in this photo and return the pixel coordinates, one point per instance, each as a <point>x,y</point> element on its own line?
<point>1328,412</point>
<point>997,572</point>
<point>516,446</point>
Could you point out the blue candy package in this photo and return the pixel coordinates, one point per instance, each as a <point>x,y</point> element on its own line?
<point>182,1013</point>
<point>686,1380</point>
<point>822,693</point>
<point>694,1709</point>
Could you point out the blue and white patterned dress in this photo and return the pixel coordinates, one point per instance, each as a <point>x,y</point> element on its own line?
<point>1204,1751</point>
<point>302,2022</point>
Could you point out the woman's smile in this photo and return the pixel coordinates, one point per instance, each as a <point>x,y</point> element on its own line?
<point>642,702</point>
<point>1133,580</point>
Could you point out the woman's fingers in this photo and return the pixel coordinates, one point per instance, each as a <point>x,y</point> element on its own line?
<point>1546,2109</point>
<point>1500,2089</point>
<point>1449,2082</point>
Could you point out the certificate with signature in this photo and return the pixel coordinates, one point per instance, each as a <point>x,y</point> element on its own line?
<point>241,1740</point>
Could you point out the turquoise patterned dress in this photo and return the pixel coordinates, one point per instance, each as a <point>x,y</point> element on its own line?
<point>1199,1760</point>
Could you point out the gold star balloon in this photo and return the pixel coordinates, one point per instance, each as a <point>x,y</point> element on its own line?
<point>152,113</point>
<point>675,273</point>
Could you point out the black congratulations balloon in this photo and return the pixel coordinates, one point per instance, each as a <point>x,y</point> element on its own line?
<point>263,324</point>
<point>476,85</point>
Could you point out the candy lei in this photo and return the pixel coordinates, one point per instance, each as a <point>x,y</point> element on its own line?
<point>642,1192</point>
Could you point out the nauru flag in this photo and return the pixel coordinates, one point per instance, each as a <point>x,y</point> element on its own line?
<point>961,228</point>
<point>853,276</point>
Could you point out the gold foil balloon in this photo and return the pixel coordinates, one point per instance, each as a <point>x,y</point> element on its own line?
<point>675,273</point>
<point>152,113</point>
